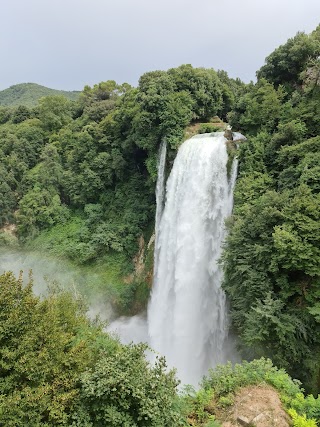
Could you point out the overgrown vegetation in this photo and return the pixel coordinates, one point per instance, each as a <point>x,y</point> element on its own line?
<point>78,178</point>
<point>272,257</point>
<point>58,368</point>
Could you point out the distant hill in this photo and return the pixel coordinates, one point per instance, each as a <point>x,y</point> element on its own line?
<point>28,94</point>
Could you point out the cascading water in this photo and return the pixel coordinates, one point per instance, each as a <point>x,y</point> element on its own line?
<point>187,319</point>
<point>135,328</point>
<point>160,185</point>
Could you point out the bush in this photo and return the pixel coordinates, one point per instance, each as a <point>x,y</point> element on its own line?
<point>123,390</point>
<point>301,420</point>
<point>208,128</point>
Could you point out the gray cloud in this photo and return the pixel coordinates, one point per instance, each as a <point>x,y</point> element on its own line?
<point>66,44</point>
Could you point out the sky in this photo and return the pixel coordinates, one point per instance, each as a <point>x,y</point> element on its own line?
<point>67,44</point>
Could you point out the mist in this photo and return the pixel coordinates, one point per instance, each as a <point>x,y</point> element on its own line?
<point>48,271</point>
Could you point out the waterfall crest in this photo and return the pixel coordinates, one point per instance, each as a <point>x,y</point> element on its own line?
<point>187,319</point>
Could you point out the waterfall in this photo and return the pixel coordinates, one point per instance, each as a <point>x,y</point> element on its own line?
<point>134,329</point>
<point>160,183</point>
<point>187,319</point>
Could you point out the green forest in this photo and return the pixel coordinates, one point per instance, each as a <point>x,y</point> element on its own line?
<point>77,182</point>
<point>28,94</point>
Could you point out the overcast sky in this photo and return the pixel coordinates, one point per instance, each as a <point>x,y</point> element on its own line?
<point>66,44</point>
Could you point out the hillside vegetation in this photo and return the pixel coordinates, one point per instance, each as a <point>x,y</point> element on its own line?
<point>69,168</point>
<point>28,94</point>
<point>77,180</point>
<point>272,258</point>
<point>59,368</point>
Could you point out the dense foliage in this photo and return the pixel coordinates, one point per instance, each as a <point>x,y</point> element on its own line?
<point>58,368</point>
<point>65,163</point>
<point>272,258</point>
<point>78,178</point>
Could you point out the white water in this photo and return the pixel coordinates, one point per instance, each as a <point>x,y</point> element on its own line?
<point>187,315</point>
<point>187,320</point>
<point>160,183</point>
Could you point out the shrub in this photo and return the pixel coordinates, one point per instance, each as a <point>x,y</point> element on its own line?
<point>208,128</point>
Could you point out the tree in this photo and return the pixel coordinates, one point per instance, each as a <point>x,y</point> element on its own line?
<point>54,112</point>
<point>8,199</point>
<point>42,355</point>
<point>58,368</point>
<point>38,209</point>
<point>285,64</point>
<point>20,114</point>
<point>203,85</point>
<point>258,109</point>
<point>123,390</point>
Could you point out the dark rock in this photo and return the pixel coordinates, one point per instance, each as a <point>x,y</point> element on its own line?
<point>228,133</point>
<point>243,420</point>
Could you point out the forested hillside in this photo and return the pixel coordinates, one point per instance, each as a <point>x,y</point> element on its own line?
<point>77,180</point>
<point>272,259</point>
<point>28,94</point>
